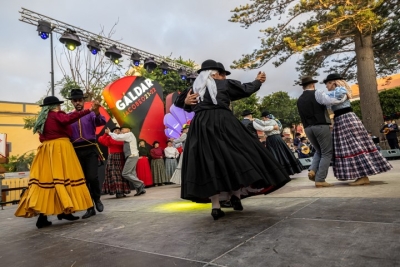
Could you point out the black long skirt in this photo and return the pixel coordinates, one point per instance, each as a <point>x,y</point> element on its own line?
<point>221,155</point>
<point>283,154</point>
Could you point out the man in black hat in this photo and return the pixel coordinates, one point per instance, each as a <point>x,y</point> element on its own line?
<point>223,73</point>
<point>316,121</point>
<point>86,147</point>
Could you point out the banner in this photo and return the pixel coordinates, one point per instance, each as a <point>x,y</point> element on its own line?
<point>139,102</point>
<point>3,144</point>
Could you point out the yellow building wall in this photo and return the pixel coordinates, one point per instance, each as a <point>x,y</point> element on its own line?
<point>12,116</point>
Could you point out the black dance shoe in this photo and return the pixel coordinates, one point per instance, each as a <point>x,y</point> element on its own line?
<point>120,195</point>
<point>217,213</point>
<point>140,191</point>
<point>68,217</point>
<point>89,213</point>
<point>42,221</point>
<point>99,205</point>
<point>236,203</point>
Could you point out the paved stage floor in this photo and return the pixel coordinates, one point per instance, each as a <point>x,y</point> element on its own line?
<point>298,225</point>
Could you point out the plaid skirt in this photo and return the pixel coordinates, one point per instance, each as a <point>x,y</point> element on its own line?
<point>355,154</point>
<point>158,171</point>
<point>114,183</point>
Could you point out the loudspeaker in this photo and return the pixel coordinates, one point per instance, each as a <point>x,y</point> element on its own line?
<point>391,154</point>
<point>306,162</point>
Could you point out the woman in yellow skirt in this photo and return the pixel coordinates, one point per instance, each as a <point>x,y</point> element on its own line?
<point>56,185</point>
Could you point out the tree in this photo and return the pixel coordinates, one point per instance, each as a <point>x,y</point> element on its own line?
<point>356,38</point>
<point>389,100</point>
<point>250,103</point>
<point>282,107</point>
<point>20,163</point>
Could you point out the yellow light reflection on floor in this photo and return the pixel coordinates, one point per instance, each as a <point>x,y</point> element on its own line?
<point>181,206</point>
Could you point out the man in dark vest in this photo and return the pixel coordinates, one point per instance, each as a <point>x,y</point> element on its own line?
<point>248,122</point>
<point>316,121</point>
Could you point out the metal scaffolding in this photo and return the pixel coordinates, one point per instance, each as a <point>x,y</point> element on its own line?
<point>60,27</point>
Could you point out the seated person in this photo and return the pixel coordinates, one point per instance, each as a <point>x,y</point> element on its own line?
<point>296,140</point>
<point>303,149</point>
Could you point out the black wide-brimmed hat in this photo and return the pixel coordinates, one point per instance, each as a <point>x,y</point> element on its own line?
<point>76,94</point>
<point>265,113</point>
<point>227,72</point>
<point>333,77</point>
<point>246,112</point>
<point>307,80</point>
<point>209,64</point>
<point>51,100</point>
<point>115,128</point>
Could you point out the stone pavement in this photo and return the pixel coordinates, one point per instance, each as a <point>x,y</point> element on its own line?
<point>298,225</point>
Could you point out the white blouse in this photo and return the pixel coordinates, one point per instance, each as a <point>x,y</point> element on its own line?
<point>171,152</point>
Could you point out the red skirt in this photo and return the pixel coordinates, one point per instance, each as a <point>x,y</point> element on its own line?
<point>143,171</point>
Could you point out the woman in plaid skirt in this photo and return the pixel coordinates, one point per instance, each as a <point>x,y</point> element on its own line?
<point>355,155</point>
<point>114,183</point>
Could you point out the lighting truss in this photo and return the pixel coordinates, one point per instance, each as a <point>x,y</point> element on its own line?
<point>60,27</point>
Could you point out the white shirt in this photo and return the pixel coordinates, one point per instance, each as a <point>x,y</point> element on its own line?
<point>130,145</point>
<point>171,152</point>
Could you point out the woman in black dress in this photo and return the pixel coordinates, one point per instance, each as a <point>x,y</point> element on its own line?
<point>221,155</point>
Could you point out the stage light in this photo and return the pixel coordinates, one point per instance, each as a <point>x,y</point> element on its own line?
<point>94,47</point>
<point>192,77</point>
<point>114,54</point>
<point>44,29</point>
<point>182,73</point>
<point>149,64</point>
<point>70,39</point>
<point>164,67</point>
<point>135,57</point>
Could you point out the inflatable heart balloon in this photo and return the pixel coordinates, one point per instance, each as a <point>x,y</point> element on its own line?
<point>174,121</point>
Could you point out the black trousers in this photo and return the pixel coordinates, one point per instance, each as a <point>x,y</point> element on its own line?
<point>393,143</point>
<point>89,159</point>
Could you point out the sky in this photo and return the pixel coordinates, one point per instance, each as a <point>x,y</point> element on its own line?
<point>196,30</point>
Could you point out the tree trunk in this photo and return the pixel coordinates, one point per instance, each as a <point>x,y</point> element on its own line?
<point>371,110</point>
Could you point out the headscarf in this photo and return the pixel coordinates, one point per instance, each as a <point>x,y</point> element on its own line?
<point>39,124</point>
<point>272,117</point>
<point>203,81</point>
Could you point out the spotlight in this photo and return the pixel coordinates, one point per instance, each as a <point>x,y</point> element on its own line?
<point>149,64</point>
<point>94,47</point>
<point>44,29</point>
<point>182,73</point>
<point>70,39</point>
<point>114,54</point>
<point>164,67</point>
<point>135,57</point>
<point>192,77</point>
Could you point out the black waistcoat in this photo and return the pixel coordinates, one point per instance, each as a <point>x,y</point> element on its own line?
<point>311,112</point>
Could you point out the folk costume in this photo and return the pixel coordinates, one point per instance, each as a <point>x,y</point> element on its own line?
<point>176,177</point>
<point>114,183</point>
<point>315,118</point>
<point>84,141</point>
<point>220,154</point>
<point>143,165</point>
<point>390,130</point>
<point>131,154</point>
<point>249,123</point>
<point>355,155</point>
<point>171,154</point>
<point>56,184</point>
<point>158,165</point>
<point>276,145</point>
